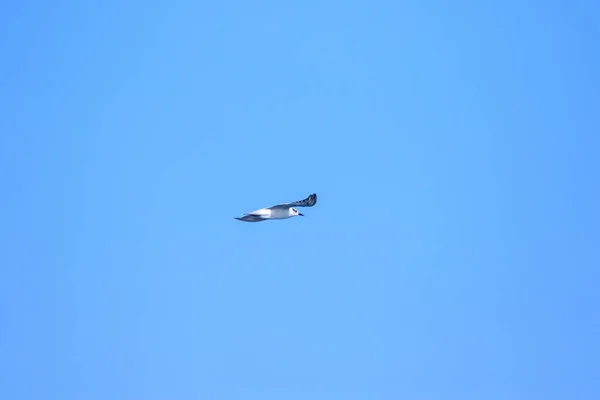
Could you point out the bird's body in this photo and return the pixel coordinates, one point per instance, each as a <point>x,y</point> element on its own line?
<point>280,211</point>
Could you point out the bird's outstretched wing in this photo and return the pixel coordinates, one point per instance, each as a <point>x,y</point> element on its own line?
<point>307,202</point>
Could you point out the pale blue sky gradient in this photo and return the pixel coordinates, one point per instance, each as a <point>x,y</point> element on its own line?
<point>454,251</point>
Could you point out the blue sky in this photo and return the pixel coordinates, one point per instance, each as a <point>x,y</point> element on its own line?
<point>453,253</point>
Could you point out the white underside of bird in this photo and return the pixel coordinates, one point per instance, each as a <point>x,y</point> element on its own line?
<point>280,211</point>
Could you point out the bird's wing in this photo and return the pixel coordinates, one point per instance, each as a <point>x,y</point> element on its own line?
<point>256,215</point>
<point>251,218</point>
<point>307,202</point>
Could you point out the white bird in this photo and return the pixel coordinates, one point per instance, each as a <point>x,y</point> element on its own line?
<point>280,211</point>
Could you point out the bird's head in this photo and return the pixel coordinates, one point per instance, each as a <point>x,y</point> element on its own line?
<point>295,212</point>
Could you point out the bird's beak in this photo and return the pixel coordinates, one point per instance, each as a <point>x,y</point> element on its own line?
<point>300,214</point>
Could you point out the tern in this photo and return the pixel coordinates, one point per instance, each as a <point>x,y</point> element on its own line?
<point>280,211</point>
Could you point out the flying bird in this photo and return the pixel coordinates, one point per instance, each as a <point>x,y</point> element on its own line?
<point>280,211</point>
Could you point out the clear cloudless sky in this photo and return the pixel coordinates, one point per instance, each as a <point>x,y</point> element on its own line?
<point>453,252</point>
